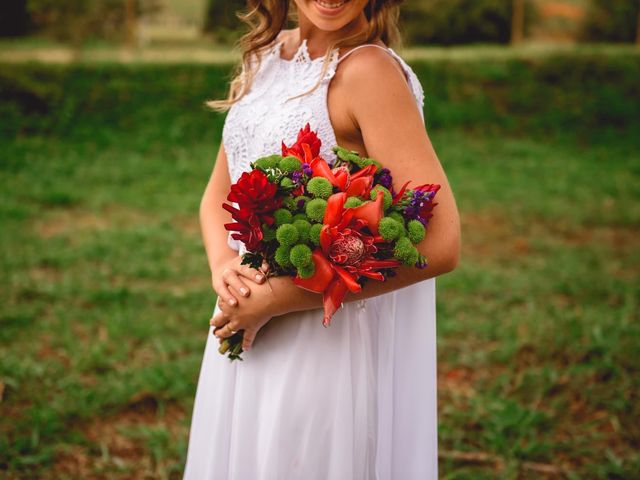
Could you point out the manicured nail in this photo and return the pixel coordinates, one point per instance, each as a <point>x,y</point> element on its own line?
<point>259,278</point>
<point>243,291</point>
<point>232,301</point>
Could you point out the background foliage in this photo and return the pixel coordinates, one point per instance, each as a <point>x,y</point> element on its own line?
<point>106,295</point>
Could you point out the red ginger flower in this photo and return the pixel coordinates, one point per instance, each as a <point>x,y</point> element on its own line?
<point>256,199</point>
<point>346,252</point>
<point>305,137</point>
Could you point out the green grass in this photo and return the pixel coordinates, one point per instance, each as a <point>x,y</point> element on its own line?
<point>105,287</point>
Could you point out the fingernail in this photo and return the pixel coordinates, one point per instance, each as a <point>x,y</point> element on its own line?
<point>243,291</point>
<point>232,301</point>
<point>259,278</point>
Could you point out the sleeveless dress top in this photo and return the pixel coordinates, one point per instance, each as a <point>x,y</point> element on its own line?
<point>354,401</point>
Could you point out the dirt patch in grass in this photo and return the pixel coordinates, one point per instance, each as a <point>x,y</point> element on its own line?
<point>67,221</point>
<point>116,448</point>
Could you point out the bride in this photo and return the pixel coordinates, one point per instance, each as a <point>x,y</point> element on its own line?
<point>356,400</point>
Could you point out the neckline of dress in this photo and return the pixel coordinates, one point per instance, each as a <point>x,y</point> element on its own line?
<point>301,53</point>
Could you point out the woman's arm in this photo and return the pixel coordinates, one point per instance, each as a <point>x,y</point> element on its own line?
<point>387,117</point>
<point>224,262</point>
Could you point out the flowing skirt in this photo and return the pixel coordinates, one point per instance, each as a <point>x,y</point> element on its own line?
<point>354,401</point>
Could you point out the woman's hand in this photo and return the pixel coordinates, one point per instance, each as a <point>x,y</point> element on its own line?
<point>250,316</point>
<point>230,280</point>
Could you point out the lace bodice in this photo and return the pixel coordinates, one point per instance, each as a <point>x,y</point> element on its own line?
<point>256,125</point>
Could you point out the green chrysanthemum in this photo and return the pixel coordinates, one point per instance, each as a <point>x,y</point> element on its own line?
<point>287,235</point>
<point>307,271</point>
<point>282,216</point>
<point>282,256</point>
<point>300,256</point>
<point>286,182</point>
<point>352,202</point>
<point>303,227</point>
<point>416,231</point>
<point>320,187</point>
<point>314,233</point>
<point>290,164</point>
<point>316,208</point>
<point>390,229</point>
<point>270,161</point>
<point>406,252</point>
<point>388,199</point>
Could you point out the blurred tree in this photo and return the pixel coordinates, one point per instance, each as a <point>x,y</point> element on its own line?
<point>76,21</point>
<point>450,22</point>
<point>221,21</point>
<point>612,21</point>
<point>517,21</point>
<point>14,18</point>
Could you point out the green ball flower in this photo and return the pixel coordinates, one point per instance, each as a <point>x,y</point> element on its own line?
<point>388,199</point>
<point>268,233</point>
<point>307,271</point>
<point>286,182</point>
<point>314,233</point>
<point>406,252</point>
<point>270,161</point>
<point>282,256</point>
<point>290,204</point>
<point>290,164</point>
<point>282,216</point>
<point>352,202</point>
<point>300,216</point>
<point>390,229</point>
<point>300,256</point>
<point>287,235</point>
<point>320,187</point>
<point>416,231</point>
<point>397,216</point>
<point>303,227</point>
<point>316,208</point>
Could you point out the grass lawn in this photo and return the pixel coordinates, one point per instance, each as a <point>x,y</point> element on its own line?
<point>105,302</point>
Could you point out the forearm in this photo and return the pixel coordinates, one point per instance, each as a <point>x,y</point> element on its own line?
<point>214,235</point>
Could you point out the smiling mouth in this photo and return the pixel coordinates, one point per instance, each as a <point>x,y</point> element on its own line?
<point>329,4</point>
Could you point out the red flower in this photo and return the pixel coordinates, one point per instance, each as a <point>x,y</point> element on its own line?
<point>305,136</point>
<point>346,252</point>
<point>256,199</point>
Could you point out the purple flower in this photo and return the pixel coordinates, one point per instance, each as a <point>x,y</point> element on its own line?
<point>306,169</point>
<point>296,176</point>
<point>385,178</point>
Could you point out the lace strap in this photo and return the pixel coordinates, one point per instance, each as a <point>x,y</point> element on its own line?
<point>362,46</point>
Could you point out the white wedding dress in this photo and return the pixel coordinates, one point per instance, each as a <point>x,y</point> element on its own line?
<point>354,401</point>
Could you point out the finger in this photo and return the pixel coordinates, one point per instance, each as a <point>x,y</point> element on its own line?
<point>219,319</point>
<point>252,274</point>
<point>233,280</point>
<point>247,339</point>
<point>226,331</point>
<point>222,289</point>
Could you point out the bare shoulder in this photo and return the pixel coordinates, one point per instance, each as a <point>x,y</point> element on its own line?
<point>372,66</point>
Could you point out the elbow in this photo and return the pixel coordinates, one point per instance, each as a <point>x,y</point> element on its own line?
<point>447,259</point>
<point>451,260</point>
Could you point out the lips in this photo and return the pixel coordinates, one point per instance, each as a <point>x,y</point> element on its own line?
<point>330,7</point>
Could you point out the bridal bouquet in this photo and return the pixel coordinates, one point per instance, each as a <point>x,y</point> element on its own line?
<point>331,227</point>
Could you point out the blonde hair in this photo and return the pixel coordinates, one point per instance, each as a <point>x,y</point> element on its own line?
<point>267,18</point>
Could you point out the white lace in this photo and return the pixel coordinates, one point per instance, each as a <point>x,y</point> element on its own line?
<point>256,125</point>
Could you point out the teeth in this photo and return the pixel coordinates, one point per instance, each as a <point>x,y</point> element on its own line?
<point>331,5</point>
